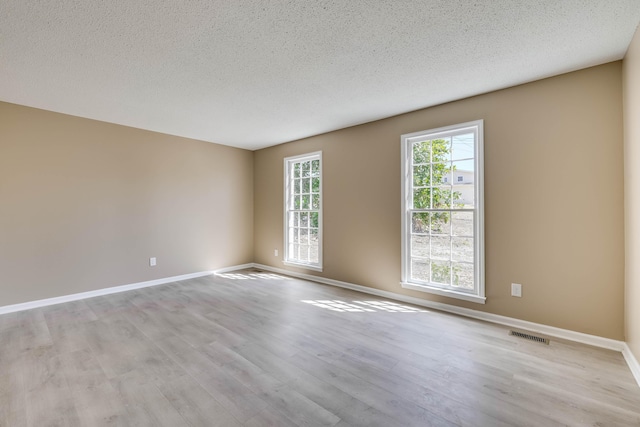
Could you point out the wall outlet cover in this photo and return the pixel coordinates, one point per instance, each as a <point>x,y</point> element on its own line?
<point>516,290</point>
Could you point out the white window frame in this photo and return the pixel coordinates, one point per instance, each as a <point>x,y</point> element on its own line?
<point>478,294</point>
<point>288,174</point>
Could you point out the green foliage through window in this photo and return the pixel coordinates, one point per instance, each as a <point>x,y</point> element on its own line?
<point>432,172</point>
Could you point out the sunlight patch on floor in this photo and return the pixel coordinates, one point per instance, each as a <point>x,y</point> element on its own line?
<point>251,276</point>
<point>364,306</point>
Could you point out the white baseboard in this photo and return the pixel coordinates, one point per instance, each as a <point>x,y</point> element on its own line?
<point>633,363</point>
<point>99,292</point>
<point>481,315</point>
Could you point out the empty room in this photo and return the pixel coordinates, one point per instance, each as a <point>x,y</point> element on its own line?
<point>331,213</point>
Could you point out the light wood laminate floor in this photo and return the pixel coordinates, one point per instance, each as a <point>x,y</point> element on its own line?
<point>259,349</point>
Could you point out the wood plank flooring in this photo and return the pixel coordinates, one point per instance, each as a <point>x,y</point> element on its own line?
<point>259,349</point>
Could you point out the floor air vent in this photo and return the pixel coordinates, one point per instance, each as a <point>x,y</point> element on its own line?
<point>529,337</point>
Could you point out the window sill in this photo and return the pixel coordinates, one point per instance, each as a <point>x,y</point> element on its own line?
<point>300,265</point>
<point>444,292</point>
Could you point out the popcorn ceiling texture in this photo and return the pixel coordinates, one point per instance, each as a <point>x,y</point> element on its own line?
<point>254,73</point>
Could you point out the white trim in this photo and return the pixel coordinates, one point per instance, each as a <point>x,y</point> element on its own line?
<point>99,292</point>
<point>405,222</point>
<point>477,128</point>
<point>633,363</point>
<point>479,202</point>
<point>444,292</point>
<point>287,178</point>
<point>566,334</point>
<point>304,266</point>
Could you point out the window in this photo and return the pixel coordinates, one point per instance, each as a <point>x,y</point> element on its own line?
<point>443,222</point>
<point>303,211</point>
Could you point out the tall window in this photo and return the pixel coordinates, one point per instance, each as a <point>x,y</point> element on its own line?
<point>303,211</point>
<point>443,218</point>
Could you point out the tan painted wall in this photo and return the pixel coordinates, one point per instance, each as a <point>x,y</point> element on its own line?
<point>84,204</point>
<point>631,96</point>
<point>553,195</point>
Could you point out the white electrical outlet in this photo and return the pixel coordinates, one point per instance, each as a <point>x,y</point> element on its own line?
<point>516,290</point>
<point>275,252</point>
<point>152,261</point>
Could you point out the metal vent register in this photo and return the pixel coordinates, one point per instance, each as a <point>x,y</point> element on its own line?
<point>529,337</point>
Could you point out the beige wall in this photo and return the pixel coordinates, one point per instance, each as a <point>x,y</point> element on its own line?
<point>84,204</point>
<point>553,195</point>
<point>631,95</point>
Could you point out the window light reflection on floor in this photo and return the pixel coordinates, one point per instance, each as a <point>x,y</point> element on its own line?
<point>364,306</point>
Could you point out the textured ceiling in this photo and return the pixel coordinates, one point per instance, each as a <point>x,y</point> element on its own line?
<point>254,73</point>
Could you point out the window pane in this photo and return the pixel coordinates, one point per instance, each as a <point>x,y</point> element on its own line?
<point>463,275</point>
<point>422,152</point>
<point>462,146</point>
<point>306,186</point>
<point>315,167</point>
<point>315,201</point>
<point>440,223</point>
<point>441,247</point>
<point>420,246</point>
<point>420,270</point>
<point>315,187</point>
<point>313,219</point>
<point>462,249</point>
<point>441,197</point>
<point>296,202</point>
<point>420,222</point>
<point>304,219</point>
<point>441,272</point>
<point>422,198</point>
<point>296,170</point>
<point>440,174</point>
<point>462,223</point>
<point>296,186</point>
<point>293,235</point>
<point>306,203</point>
<point>463,171</point>
<point>313,256</point>
<point>303,253</point>
<point>463,196</point>
<point>441,150</point>
<point>306,169</point>
<point>421,175</point>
